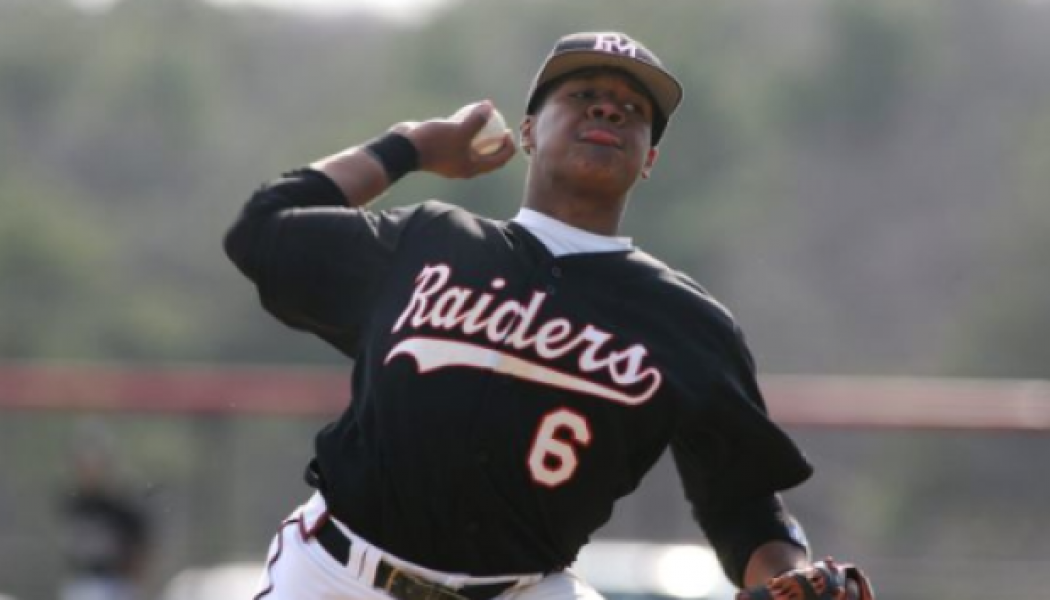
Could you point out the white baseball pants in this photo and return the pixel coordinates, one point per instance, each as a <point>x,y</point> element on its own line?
<point>298,568</point>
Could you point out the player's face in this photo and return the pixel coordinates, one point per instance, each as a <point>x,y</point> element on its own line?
<point>597,125</point>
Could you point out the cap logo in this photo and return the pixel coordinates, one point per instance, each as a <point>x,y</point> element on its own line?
<point>615,44</point>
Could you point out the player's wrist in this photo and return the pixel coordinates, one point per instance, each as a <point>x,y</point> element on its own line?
<point>396,153</point>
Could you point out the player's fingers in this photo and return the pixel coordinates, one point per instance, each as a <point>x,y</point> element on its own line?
<point>473,117</point>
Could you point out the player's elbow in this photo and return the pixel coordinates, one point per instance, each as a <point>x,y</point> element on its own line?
<point>241,244</point>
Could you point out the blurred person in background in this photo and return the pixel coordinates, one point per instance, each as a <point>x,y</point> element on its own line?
<point>106,531</point>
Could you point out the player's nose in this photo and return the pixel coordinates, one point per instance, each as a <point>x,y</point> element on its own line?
<point>604,109</point>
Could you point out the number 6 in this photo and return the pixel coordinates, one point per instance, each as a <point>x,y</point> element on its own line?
<point>552,460</point>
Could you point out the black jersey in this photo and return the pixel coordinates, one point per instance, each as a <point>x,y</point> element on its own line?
<point>504,398</point>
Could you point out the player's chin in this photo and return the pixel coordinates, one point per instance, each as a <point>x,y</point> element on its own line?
<point>611,169</point>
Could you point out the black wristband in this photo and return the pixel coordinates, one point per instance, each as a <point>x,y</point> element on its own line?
<point>396,153</point>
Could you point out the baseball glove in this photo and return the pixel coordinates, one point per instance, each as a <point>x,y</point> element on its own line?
<point>823,580</point>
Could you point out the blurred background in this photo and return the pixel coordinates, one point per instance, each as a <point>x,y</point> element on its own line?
<point>865,184</point>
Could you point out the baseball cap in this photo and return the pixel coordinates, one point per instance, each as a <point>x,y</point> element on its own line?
<point>611,49</point>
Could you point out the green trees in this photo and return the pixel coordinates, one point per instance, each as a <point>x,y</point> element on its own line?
<point>865,184</point>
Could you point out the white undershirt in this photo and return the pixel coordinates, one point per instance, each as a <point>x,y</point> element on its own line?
<point>561,238</point>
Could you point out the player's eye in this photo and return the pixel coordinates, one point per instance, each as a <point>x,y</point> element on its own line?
<point>638,108</point>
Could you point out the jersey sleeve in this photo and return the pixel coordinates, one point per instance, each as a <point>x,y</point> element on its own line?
<point>317,263</point>
<point>731,457</point>
<point>726,447</point>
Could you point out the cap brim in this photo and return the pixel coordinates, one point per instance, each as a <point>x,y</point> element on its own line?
<point>666,90</point>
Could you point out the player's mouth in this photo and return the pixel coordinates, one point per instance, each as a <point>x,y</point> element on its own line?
<point>601,137</point>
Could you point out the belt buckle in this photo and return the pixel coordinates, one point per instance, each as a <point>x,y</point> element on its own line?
<point>410,587</point>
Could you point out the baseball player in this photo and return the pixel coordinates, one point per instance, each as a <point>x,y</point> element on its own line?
<point>514,378</point>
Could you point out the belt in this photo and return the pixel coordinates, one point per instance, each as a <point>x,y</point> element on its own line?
<point>399,584</point>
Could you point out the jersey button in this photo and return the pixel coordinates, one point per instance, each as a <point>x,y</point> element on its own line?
<point>551,290</point>
<point>482,457</point>
<point>556,271</point>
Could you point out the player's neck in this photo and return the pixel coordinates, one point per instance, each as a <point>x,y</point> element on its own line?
<point>594,212</point>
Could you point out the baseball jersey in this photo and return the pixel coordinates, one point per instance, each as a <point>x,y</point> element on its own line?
<point>504,398</point>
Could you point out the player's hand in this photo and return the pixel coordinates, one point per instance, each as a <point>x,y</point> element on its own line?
<point>444,144</point>
<point>824,580</point>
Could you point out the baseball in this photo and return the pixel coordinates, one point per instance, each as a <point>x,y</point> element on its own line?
<point>492,136</point>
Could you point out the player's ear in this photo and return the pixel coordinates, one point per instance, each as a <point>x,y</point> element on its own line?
<point>650,160</point>
<point>525,132</point>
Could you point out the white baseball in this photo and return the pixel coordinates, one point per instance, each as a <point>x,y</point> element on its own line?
<point>492,136</point>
